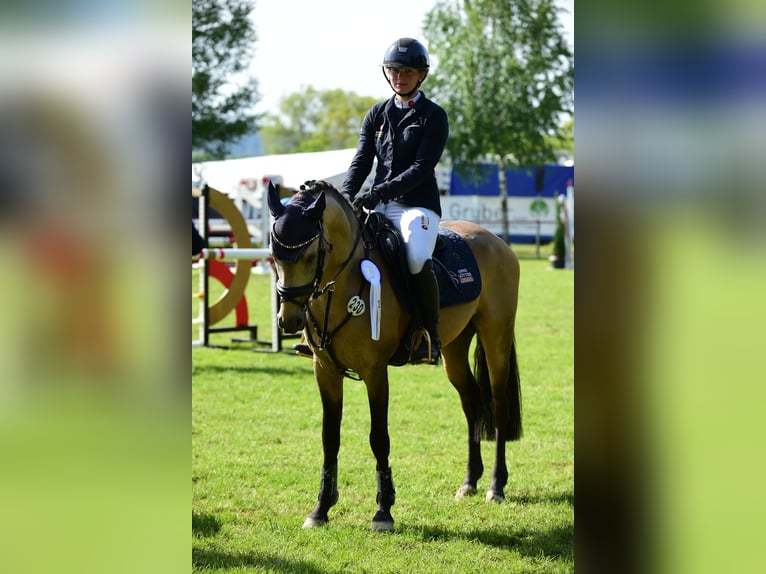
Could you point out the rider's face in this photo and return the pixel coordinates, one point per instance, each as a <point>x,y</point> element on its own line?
<point>404,80</point>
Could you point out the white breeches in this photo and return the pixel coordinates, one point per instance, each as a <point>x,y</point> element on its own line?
<point>419,228</point>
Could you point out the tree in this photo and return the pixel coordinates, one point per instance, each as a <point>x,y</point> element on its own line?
<point>223,96</point>
<point>505,75</point>
<point>564,140</point>
<point>313,120</point>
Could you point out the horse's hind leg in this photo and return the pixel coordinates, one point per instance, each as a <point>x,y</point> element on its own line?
<point>501,366</point>
<point>455,356</point>
<point>331,391</point>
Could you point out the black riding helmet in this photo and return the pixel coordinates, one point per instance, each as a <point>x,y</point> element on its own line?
<point>406,53</point>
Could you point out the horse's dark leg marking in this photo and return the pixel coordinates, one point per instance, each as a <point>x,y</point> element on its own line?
<point>499,471</point>
<point>331,391</point>
<point>377,394</point>
<point>458,369</point>
<point>328,496</point>
<point>499,371</point>
<point>386,496</point>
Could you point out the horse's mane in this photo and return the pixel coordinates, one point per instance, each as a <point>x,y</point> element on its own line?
<point>314,187</point>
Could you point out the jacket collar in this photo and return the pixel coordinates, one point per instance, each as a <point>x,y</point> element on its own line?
<point>410,104</point>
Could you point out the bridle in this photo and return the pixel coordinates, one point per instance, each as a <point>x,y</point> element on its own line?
<point>302,295</point>
<point>294,294</point>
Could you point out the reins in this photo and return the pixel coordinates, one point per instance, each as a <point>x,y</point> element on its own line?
<point>325,336</point>
<point>312,291</point>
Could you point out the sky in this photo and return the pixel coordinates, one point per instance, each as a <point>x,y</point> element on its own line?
<point>336,44</point>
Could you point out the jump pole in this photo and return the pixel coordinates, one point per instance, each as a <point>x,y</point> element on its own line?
<point>245,253</point>
<point>233,254</point>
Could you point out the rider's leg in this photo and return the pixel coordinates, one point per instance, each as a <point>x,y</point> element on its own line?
<point>419,228</point>
<point>427,291</point>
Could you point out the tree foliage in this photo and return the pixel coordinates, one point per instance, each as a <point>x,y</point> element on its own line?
<point>564,141</point>
<point>505,75</point>
<point>223,97</point>
<point>314,120</point>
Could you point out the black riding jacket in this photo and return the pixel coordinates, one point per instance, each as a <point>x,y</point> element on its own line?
<point>408,144</point>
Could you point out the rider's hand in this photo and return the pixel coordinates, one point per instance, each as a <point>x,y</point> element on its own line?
<point>368,200</point>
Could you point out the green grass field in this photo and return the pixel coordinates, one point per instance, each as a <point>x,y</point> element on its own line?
<point>256,456</point>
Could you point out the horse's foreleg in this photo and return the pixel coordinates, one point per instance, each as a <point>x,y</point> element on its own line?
<point>331,391</point>
<point>328,496</point>
<point>377,393</point>
<point>383,521</point>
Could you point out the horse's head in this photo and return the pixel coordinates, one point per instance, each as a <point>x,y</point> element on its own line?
<point>299,250</point>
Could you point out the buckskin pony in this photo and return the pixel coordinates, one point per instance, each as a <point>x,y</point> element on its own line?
<point>318,248</point>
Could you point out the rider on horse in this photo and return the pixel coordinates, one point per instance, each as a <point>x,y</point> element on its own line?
<point>407,135</point>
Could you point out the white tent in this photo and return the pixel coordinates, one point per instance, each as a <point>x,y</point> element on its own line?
<point>294,169</point>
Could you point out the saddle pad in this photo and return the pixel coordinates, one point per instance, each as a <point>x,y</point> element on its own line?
<point>454,264</point>
<point>456,269</point>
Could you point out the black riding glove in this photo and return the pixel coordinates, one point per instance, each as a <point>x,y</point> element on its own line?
<point>368,199</point>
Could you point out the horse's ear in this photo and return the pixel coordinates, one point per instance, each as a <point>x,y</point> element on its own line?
<point>275,205</point>
<point>316,209</point>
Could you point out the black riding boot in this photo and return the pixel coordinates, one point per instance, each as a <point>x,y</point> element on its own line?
<point>427,299</point>
<point>303,349</point>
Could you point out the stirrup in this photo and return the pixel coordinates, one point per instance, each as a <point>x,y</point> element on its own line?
<point>422,351</point>
<point>303,350</point>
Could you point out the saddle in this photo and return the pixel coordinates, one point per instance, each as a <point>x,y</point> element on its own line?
<point>457,272</point>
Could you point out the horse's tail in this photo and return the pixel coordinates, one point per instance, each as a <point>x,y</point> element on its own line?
<point>513,391</point>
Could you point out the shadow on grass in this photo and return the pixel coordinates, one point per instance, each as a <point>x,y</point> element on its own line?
<point>556,542</point>
<point>563,497</point>
<point>260,370</point>
<point>214,560</point>
<point>205,525</point>
<point>553,543</point>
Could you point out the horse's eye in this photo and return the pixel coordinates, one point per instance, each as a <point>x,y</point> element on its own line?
<point>310,258</point>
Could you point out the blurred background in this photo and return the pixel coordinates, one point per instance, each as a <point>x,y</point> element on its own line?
<point>671,277</point>
<point>94,381</point>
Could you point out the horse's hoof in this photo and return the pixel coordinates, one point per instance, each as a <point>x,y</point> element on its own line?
<point>493,496</point>
<point>382,526</point>
<point>465,491</point>
<point>311,522</point>
<point>382,522</point>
